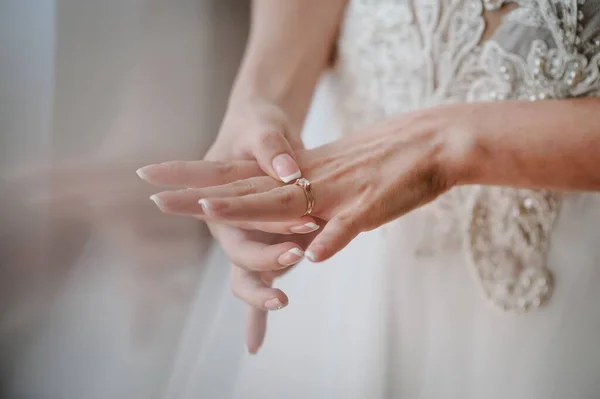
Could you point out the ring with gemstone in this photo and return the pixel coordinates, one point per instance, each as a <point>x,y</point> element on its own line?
<point>308,193</point>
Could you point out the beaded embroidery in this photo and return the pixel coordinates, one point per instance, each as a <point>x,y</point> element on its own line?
<point>400,55</point>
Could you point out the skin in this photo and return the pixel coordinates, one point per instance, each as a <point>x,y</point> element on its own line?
<point>470,144</point>
<point>265,115</point>
<point>369,179</point>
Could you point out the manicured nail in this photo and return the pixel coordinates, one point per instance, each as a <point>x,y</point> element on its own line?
<point>311,256</point>
<point>305,228</point>
<point>156,200</point>
<point>205,205</point>
<point>291,257</point>
<point>141,174</point>
<point>286,168</point>
<point>274,304</point>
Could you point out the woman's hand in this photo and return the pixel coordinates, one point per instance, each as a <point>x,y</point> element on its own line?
<point>260,132</point>
<point>359,183</point>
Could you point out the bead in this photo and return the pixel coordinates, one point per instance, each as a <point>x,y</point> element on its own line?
<point>536,302</point>
<point>542,282</point>
<point>528,203</point>
<point>580,15</point>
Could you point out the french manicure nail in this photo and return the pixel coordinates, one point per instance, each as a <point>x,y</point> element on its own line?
<point>205,205</point>
<point>141,174</point>
<point>286,168</point>
<point>291,257</point>
<point>156,200</point>
<point>274,304</point>
<point>311,256</point>
<point>305,228</point>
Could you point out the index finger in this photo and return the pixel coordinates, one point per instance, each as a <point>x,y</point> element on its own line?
<point>198,174</point>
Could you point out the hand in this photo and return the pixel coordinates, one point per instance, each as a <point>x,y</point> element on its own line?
<point>261,132</point>
<point>359,183</point>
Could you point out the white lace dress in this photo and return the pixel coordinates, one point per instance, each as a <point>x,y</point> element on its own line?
<point>485,293</point>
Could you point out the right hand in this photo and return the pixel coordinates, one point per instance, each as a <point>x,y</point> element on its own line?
<point>261,131</point>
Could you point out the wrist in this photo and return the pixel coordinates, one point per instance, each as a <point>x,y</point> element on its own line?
<point>461,134</point>
<point>285,88</point>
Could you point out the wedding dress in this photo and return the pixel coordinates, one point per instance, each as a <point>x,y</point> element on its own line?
<point>488,292</point>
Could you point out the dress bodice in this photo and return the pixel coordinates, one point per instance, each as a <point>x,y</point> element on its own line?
<point>395,56</point>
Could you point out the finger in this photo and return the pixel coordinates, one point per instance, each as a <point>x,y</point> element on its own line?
<point>252,289</point>
<point>256,328</point>
<point>185,202</point>
<point>338,233</point>
<point>304,225</point>
<point>275,156</point>
<point>261,297</point>
<point>254,255</point>
<point>197,174</point>
<point>278,204</point>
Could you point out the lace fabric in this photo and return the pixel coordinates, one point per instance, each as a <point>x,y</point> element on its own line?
<point>398,56</point>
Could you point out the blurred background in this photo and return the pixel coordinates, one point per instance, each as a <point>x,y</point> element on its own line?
<point>95,283</point>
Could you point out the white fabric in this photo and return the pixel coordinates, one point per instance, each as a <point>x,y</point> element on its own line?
<point>379,320</point>
<point>398,314</point>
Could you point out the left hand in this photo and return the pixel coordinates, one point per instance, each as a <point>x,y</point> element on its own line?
<point>359,183</point>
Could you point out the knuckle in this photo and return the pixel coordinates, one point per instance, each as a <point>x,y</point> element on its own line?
<point>267,266</point>
<point>243,187</point>
<point>223,169</point>
<point>234,282</point>
<point>235,291</point>
<point>347,222</point>
<point>285,196</point>
<point>268,138</point>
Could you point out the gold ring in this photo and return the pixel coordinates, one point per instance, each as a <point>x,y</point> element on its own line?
<point>308,193</point>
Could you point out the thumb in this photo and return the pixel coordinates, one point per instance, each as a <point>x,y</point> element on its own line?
<point>275,156</point>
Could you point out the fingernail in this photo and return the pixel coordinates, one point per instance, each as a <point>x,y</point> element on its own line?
<point>291,257</point>
<point>205,205</point>
<point>305,228</point>
<point>286,168</point>
<point>156,200</point>
<point>311,256</point>
<point>274,304</point>
<point>141,174</point>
